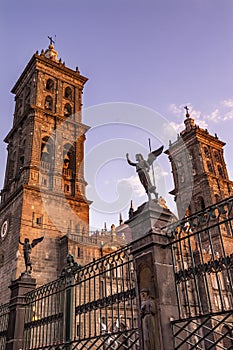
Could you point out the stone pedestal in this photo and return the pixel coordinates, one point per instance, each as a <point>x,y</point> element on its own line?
<point>15,330</point>
<point>148,216</point>
<point>155,276</point>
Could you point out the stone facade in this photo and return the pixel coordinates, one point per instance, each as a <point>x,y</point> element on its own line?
<point>44,188</point>
<point>199,169</point>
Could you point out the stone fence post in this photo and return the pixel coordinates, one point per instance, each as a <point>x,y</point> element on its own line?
<point>154,276</point>
<point>19,287</point>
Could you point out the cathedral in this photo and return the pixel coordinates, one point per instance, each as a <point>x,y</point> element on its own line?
<point>44,187</point>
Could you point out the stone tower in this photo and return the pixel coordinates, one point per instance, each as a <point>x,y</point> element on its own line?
<point>44,187</point>
<point>199,170</point>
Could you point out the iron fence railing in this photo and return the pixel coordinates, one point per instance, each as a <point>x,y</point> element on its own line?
<point>202,246</point>
<point>90,307</point>
<point>44,315</point>
<point>213,331</point>
<point>4,320</point>
<point>202,254</point>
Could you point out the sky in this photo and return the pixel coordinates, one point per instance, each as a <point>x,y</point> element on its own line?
<point>145,60</point>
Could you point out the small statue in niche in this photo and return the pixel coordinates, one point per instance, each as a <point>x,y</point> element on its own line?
<point>27,249</point>
<point>148,322</point>
<point>143,168</point>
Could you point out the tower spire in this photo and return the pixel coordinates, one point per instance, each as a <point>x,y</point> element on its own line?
<point>187,112</point>
<point>51,53</point>
<point>131,209</point>
<point>51,40</point>
<point>120,219</point>
<point>189,122</point>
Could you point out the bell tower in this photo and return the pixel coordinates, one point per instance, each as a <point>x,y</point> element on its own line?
<point>44,187</point>
<point>199,169</point>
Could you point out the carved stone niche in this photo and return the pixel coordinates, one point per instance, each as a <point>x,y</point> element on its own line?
<point>148,308</point>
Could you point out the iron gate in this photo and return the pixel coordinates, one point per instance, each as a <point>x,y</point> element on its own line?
<point>202,251</point>
<point>91,307</point>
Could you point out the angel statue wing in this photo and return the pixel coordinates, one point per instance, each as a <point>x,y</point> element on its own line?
<point>153,155</point>
<point>36,241</point>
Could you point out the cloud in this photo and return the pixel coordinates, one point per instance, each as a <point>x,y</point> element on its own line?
<point>135,184</point>
<point>228,103</point>
<point>228,116</point>
<point>159,172</point>
<point>179,111</point>
<point>223,112</point>
<point>175,109</point>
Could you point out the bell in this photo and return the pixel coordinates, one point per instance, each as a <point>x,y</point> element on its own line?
<point>66,157</point>
<point>45,149</point>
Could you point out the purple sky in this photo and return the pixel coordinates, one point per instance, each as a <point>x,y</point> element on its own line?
<point>157,54</point>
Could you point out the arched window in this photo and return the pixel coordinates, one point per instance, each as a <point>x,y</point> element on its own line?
<point>50,85</point>
<point>201,203</point>
<point>46,149</point>
<point>19,103</point>
<point>21,161</point>
<point>27,96</point>
<point>1,259</point>
<point>68,93</point>
<point>48,103</point>
<point>217,156</point>
<point>220,171</point>
<point>206,151</point>
<point>67,188</point>
<point>67,156</point>
<point>217,198</point>
<point>209,166</point>
<point>67,110</point>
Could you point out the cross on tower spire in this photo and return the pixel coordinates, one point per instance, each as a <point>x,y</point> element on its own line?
<point>187,111</point>
<point>51,40</point>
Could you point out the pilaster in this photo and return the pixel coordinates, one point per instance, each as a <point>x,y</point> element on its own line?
<point>15,330</point>
<point>154,276</point>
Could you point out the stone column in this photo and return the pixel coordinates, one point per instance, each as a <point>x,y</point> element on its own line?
<point>19,287</point>
<point>154,276</point>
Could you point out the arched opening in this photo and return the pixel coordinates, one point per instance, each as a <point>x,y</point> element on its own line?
<point>48,103</point>
<point>46,149</point>
<point>50,85</point>
<point>67,110</point>
<point>217,198</point>
<point>21,161</point>
<point>206,151</point>
<point>220,171</point>
<point>27,96</point>
<point>68,93</point>
<point>209,166</point>
<point>67,156</point>
<point>217,156</point>
<point>11,168</point>
<point>201,203</point>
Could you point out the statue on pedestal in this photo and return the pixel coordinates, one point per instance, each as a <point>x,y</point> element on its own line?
<point>27,249</point>
<point>143,168</point>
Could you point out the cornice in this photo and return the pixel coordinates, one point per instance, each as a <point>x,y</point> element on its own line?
<point>58,66</point>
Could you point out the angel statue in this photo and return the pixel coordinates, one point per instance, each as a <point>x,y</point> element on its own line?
<point>143,168</point>
<point>27,249</point>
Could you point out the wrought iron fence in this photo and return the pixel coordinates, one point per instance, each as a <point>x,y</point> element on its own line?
<point>88,307</point>
<point>213,331</point>
<point>44,315</point>
<point>202,252</point>
<point>4,318</point>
